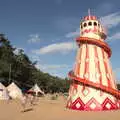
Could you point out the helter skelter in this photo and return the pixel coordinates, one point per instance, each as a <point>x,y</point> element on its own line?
<point>93,86</point>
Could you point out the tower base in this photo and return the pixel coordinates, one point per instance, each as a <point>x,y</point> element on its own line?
<point>93,105</point>
<point>84,98</point>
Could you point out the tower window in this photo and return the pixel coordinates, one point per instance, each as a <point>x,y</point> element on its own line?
<point>95,24</point>
<point>98,25</point>
<point>85,24</point>
<point>90,23</point>
<point>81,26</point>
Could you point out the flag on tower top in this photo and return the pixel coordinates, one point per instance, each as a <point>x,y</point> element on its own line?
<point>90,17</point>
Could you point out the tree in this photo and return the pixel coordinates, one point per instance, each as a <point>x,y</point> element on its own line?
<point>24,72</point>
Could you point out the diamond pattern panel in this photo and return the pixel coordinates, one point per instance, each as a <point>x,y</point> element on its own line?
<point>92,104</point>
<point>85,91</point>
<point>78,104</point>
<point>109,105</point>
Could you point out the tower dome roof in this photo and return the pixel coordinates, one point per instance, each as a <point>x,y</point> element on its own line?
<point>90,17</point>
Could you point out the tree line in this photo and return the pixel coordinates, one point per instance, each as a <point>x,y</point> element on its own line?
<point>20,69</point>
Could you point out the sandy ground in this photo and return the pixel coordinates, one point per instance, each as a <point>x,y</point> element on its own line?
<point>47,109</point>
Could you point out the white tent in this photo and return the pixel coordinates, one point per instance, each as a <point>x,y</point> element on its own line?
<point>14,91</point>
<point>3,92</point>
<point>36,89</point>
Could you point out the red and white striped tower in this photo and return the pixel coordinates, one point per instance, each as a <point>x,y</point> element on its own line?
<point>93,86</point>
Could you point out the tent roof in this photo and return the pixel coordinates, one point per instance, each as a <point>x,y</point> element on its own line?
<point>35,89</point>
<point>14,90</point>
<point>13,85</point>
<point>3,92</point>
<point>2,86</point>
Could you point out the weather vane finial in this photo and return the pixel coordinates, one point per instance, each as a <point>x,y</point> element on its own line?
<point>89,11</point>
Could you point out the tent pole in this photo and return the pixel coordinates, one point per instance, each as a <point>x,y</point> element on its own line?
<point>10,73</point>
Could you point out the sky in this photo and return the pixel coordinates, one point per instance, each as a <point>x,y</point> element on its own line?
<point>46,30</point>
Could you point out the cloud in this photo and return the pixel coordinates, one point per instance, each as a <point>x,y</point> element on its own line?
<point>54,69</point>
<point>117,69</point>
<point>115,36</point>
<point>35,57</point>
<point>17,50</point>
<point>50,67</point>
<point>64,47</point>
<point>73,34</point>
<point>34,38</point>
<point>111,20</point>
<point>116,74</point>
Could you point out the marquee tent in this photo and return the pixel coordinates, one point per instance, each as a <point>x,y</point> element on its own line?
<point>14,91</point>
<point>35,90</point>
<point>3,92</point>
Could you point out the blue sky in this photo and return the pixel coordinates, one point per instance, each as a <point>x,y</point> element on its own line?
<point>46,29</point>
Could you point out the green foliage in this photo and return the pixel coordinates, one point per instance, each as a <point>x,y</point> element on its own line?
<point>24,72</point>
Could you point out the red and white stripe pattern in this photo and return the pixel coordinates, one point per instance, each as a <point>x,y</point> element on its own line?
<point>92,64</point>
<point>90,18</point>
